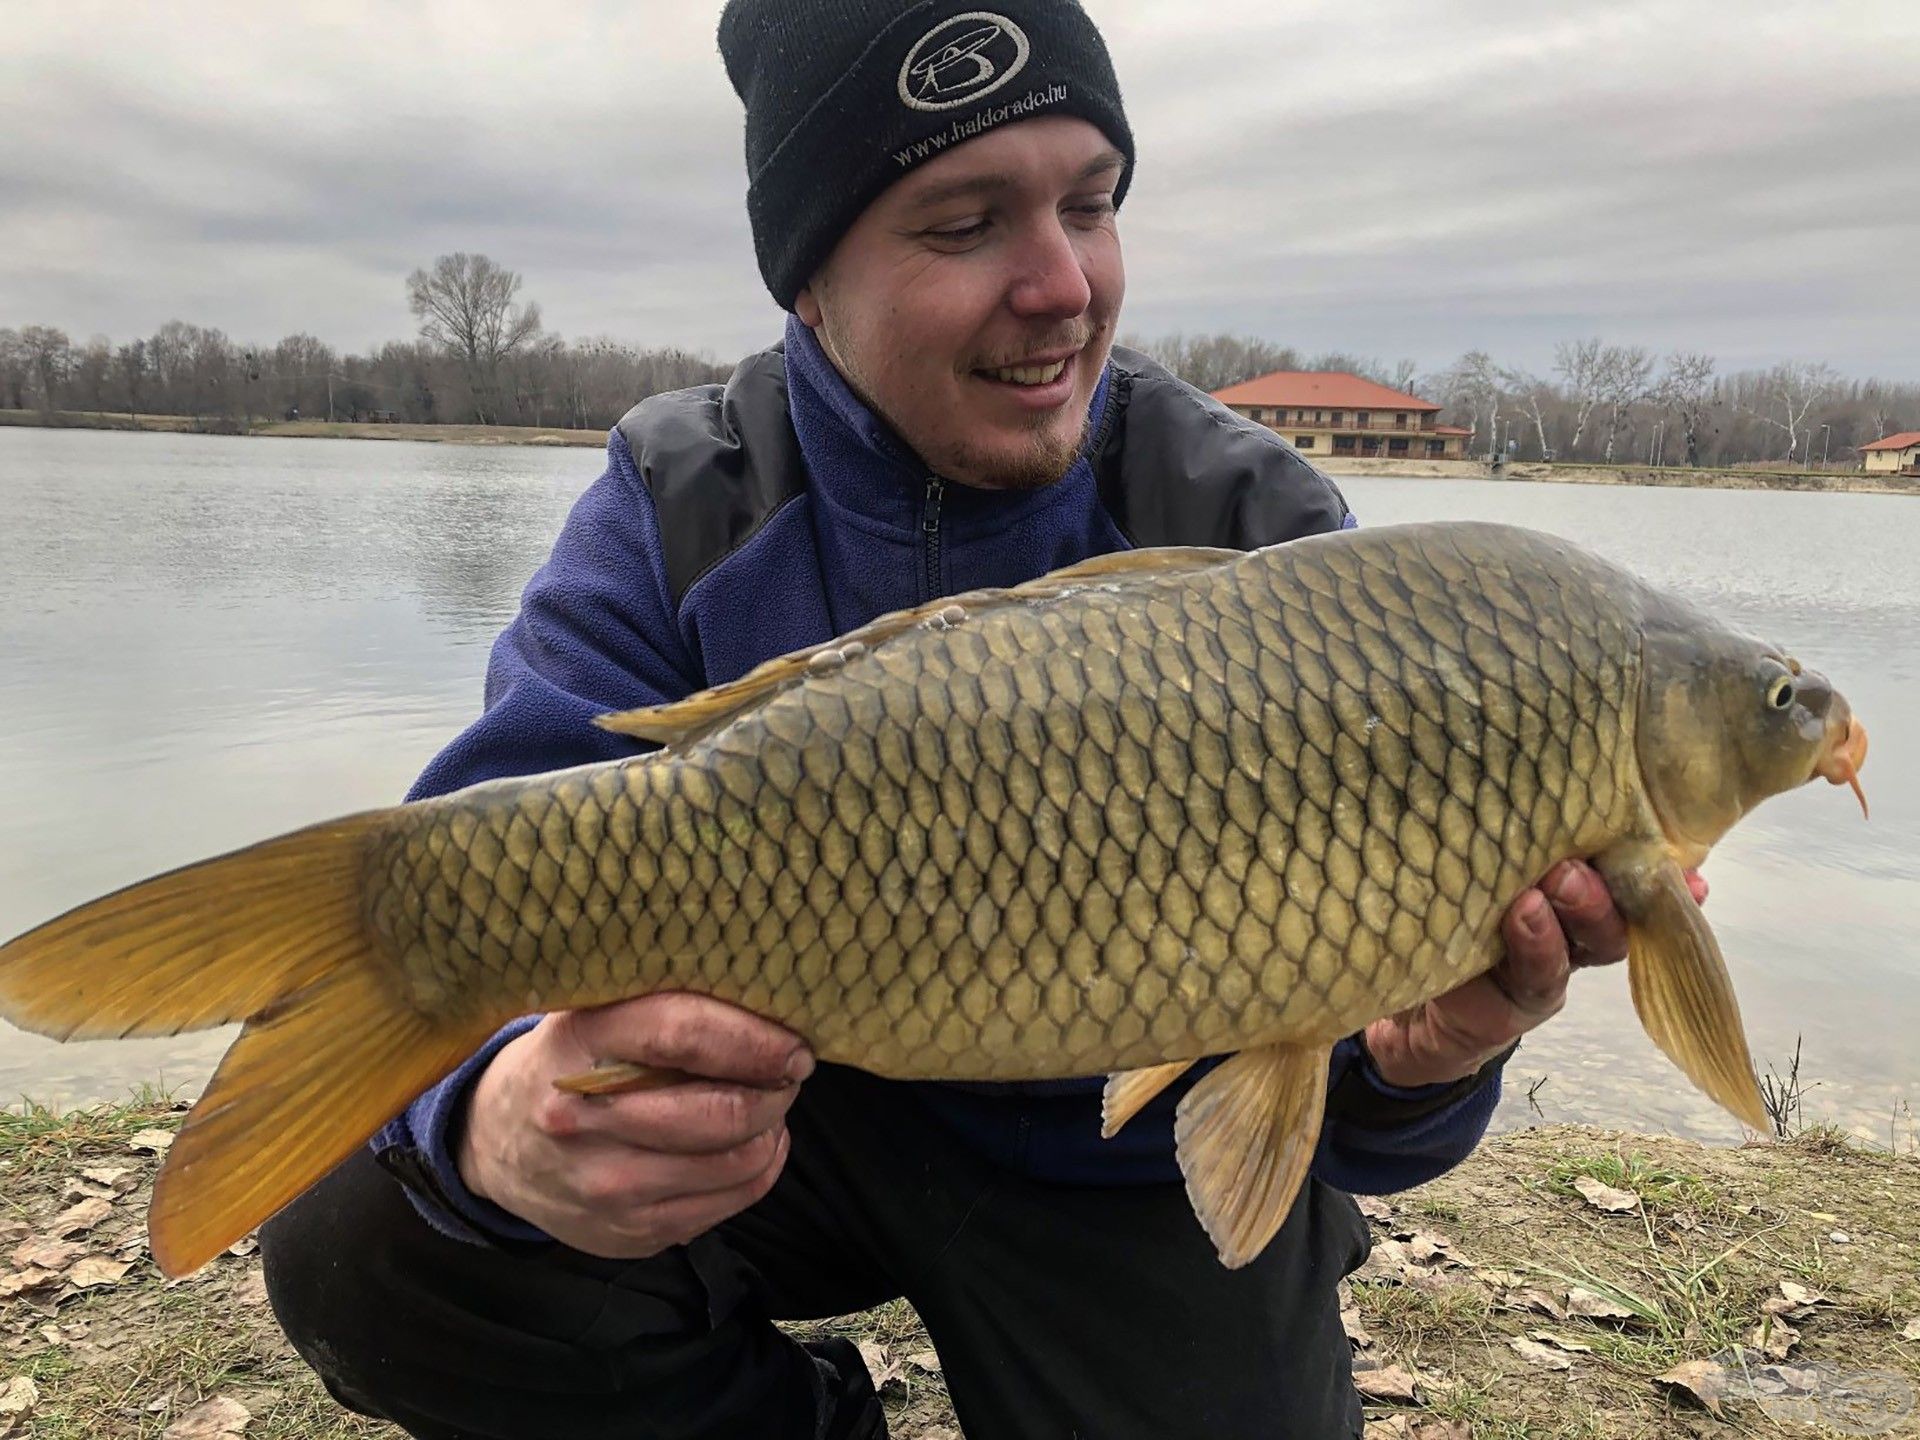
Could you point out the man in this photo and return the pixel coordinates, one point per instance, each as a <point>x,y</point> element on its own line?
<point>933,197</point>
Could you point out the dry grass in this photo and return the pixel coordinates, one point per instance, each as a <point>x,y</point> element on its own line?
<point>1690,1267</point>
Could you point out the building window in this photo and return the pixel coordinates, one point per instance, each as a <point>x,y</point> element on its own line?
<point>1345,445</point>
<point>1303,442</point>
<point>1436,448</point>
<point>1319,417</point>
<point>1400,420</point>
<point>1337,416</point>
<point>1396,447</point>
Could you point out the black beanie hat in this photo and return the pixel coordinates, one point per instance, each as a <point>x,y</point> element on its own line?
<point>844,97</point>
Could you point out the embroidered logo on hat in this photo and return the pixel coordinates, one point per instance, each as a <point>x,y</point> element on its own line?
<point>961,59</point>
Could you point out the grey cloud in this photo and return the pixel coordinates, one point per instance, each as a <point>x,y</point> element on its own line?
<point>1394,179</point>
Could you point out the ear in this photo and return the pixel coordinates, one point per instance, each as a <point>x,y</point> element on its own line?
<point>807,306</point>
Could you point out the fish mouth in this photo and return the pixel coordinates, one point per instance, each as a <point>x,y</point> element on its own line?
<point>1846,753</point>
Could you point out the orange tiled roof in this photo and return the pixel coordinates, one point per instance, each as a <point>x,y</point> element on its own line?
<point>1322,388</point>
<point>1896,442</point>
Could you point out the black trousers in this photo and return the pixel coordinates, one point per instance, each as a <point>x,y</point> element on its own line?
<point>1057,1311</point>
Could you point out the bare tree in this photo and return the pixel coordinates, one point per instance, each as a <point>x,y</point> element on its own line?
<point>1786,393</point>
<point>1626,377</point>
<point>14,371</point>
<point>1684,390</point>
<point>1534,395</point>
<point>1474,384</point>
<point>130,366</point>
<point>48,355</point>
<point>1213,362</point>
<point>1577,362</point>
<point>91,367</point>
<point>465,305</point>
<point>1403,377</point>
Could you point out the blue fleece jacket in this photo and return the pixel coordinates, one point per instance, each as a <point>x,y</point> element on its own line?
<point>598,631</point>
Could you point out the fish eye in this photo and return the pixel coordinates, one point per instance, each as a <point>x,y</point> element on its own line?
<point>1780,693</point>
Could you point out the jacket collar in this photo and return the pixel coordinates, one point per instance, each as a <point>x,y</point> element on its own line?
<point>858,464</point>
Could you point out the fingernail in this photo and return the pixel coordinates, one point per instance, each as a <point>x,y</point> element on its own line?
<point>1569,887</point>
<point>1538,919</point>
<point>800,1065</point>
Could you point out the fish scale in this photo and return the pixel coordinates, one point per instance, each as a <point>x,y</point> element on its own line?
<point>1122,826</point>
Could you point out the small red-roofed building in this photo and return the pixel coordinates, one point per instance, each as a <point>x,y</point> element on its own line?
<point>1895,455</point>
<point>1329,412</point>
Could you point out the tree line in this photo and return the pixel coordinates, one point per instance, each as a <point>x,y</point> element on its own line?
<point>480,357</point>
<point>1603,402</point>
<point>483,356</point>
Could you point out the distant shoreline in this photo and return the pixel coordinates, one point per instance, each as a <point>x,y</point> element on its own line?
<point>1854,482</point>
<point>313,429</point>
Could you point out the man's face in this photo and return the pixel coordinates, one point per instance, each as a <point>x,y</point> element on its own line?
<point>972,305</point>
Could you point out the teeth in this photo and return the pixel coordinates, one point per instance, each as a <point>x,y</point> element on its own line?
<point>1030,374</point>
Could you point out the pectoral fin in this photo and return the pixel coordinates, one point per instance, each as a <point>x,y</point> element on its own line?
<point>1681,989</point>
<point>1128,1093</point>
<point>1245,1136</point>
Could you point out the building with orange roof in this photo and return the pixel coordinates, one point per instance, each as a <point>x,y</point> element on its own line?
<point>1895,455</point>
<point>1329,412</point>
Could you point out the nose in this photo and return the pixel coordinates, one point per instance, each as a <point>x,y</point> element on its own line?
<point>1051,281</point>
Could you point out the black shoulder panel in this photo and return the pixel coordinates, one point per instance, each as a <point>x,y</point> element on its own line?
<point>719,460</point>
<point>1176,467</point>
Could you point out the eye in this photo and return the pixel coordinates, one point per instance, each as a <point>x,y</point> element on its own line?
<point>1780,692</point>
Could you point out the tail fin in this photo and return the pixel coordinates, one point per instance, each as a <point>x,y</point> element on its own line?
<point>273,935</point>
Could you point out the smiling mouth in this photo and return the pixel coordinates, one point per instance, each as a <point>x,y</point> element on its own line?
<point>1026,374</point>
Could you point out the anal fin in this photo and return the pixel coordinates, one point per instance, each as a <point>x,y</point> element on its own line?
<point>1128,1092</point>
<point>1245,1137</point>
<point>1680,986</point>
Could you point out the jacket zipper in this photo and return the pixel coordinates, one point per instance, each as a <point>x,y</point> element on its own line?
<point>930,531</point>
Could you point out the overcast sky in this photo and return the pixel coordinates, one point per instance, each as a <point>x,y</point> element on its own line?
<point>1390,177</point>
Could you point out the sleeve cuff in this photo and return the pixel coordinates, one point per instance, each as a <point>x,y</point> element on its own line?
<point>417,1148</point>
<point>1361,1097</point>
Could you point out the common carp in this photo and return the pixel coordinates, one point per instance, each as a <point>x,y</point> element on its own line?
<point>1159,806</point>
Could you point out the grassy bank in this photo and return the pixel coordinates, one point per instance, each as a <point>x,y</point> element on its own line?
<point>1670,476</point>
<point>312,429</point>
<point>1538,1290</point>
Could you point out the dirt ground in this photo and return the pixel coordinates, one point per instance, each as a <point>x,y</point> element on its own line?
<point>1541,1289</point>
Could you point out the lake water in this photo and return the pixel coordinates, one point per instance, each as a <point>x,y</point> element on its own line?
<point>205,641</point>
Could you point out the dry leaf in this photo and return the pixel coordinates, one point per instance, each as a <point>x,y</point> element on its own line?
<point>251,1289</point>
<point>1409,1427</point>
<point>1594,1307</point>
<point>155,1141</point>
<point>85,1190</point>
<point>214,1420</point>
<point>1386,1382</point>
<point>1605,1197</point>
<point>1800,1295</point>
<point>240,1249</point>
<point>1500,1279</point>
<point>1911,1331</point>
<point>1541,1355</point>
<point>925,1360</point>
<point>1425,1248</point>
<point>93,1272</point>
<point>1373,1207</point>
<point>880,1365</point>
<point>43,1252</point>
<point>1775,1337</point>
<point>114,1177</point>
<point>1548,1337</point>
<point>1702,1379</point>
<point>1356,1331</point>
<point>19,1282</point>
<point>1531,1299</point>
<point>81,1218</point>
<point>19,1396</point>
<point>940,1432</point>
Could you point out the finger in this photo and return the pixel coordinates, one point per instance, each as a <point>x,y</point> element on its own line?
<point>657,1226</point>
<point>1595,933</point>
<point>700,1117</point>
<point>1451,1035</point>
<point>1697,883</point>
<point>695,1033</point>
<point>1532,975</point>
<point>628,1181</point>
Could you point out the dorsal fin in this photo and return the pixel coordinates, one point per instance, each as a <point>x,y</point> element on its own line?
<point>681,722</point>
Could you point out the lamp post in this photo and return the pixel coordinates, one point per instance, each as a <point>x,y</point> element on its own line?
<point>1826,440</point>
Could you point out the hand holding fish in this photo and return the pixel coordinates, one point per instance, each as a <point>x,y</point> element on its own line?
<point>628,1175</point>
<point>1567,923</point>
